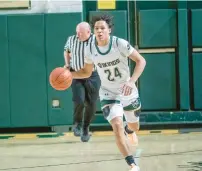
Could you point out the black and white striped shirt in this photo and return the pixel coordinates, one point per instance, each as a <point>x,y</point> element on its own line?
<point>77,50</point>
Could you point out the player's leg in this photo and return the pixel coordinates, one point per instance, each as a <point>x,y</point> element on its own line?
<point>133,124</point>
<point>131,112</point>
<point>78,97</point>
<point>114,114</point>
<point>131,127</point>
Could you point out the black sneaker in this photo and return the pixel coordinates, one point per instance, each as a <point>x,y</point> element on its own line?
<point>85,136</point>
<point>77,130</point>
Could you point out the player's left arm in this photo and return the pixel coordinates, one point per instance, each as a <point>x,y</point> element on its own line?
<point>133,54</point>
<point>128,51</point>
<point>140,65</point>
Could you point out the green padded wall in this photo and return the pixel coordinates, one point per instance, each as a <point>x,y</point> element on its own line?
<point>194,4</point>
<point>183,58</point>
<point>156,5</point>
<point>4,75</point>
<point>157,84</point>
<point>119,20</point>
<point>27,70</point>
<point>196,16</point>
<point>157,28</point>
<point>58,28</point>
<point>196,27</point>
<point>197,80</point>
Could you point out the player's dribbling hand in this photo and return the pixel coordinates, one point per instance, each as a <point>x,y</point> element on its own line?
<point>127,88</point>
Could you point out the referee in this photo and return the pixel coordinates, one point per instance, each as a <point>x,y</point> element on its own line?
<point>85,91</point>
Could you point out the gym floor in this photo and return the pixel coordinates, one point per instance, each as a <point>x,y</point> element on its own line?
<point>156,152</point>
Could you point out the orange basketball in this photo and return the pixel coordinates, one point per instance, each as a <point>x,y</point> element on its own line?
<point>60,78</point>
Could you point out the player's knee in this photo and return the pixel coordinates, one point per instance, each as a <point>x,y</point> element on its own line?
<point>134,126</point>
<point>137,128</point>
<point>117,125</point>
<point>132,117</point>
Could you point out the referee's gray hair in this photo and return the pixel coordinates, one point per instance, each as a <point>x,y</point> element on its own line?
<point>84,25</point>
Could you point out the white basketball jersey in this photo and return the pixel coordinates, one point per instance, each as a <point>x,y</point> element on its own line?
<point>111,61</point>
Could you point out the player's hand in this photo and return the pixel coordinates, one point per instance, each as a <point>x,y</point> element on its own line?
<point>127,88</point>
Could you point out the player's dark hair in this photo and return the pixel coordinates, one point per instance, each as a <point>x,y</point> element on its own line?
<point>107,18</point>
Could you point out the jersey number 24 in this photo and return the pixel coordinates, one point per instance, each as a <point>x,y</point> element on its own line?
<point>111,74</point>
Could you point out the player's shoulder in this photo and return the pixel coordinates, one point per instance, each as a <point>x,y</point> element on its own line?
<point>123,45</point>
<point>121,41</point>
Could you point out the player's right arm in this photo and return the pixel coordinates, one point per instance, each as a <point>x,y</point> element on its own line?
<point>85,72</point>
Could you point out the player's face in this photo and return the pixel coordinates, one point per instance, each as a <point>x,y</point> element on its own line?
<point>83,34</point>
<point>101,31</point>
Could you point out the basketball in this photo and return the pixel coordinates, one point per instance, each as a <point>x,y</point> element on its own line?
<point>60,78</point>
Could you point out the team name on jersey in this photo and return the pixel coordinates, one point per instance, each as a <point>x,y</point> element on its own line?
<point>106,64</point>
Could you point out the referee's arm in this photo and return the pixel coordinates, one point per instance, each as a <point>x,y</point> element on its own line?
<point>67,53</point>
<point>67,58</point>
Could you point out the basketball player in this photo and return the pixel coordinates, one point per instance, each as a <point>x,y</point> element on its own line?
<point>118,92</point>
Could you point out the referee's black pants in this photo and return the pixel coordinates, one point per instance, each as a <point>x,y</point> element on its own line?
<point>85,95</point>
